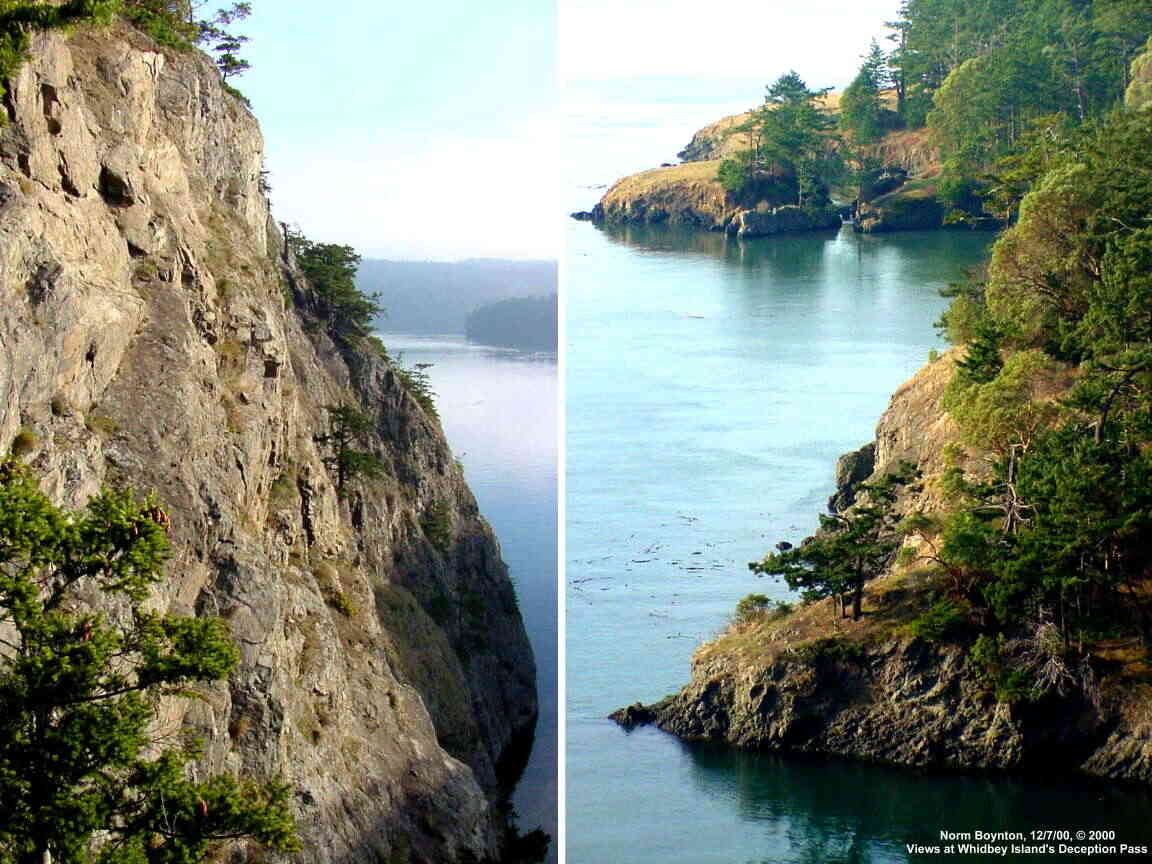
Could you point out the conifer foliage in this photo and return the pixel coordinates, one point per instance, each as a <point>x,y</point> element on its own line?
<point>1063,529</point>
<point>348,428</point>
<point>789,137</point>
<point>861,108</point>
<point>849,549</point>
<point>81,779</point>
<point>331,270</point>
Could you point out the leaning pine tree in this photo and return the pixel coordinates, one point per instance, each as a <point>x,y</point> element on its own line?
<point>81,778</point>
<point>849,549</point>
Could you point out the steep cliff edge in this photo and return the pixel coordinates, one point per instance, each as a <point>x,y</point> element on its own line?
<point>811,681</point>
<point>155,333</point>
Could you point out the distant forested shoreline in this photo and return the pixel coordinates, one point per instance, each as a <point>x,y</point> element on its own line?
<point>527,323</point>
<point>436,297</point>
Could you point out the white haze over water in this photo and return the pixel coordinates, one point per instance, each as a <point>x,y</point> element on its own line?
<point>603,40</point>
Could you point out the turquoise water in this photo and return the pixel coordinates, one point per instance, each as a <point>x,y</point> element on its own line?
<point>711,384</point>
<point>498,408</point>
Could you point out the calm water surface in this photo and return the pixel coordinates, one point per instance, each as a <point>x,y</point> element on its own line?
<point>498,409</point>
<point>711,385</point>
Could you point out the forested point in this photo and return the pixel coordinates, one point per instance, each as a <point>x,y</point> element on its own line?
<point>1040,560</point>
<point>527,323</point>
<point>987,80</point>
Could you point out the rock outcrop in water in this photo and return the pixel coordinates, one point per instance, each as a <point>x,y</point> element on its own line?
<point>689,195</point>
<point>814,682</point>
<point>686,195</point>
<point>156,333</point>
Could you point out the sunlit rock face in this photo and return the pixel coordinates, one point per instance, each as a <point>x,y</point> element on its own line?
<point>156,333</point>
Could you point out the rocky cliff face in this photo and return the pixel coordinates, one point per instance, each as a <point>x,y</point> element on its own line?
<point>910,150</point>
<point>687,194</point>
<point>716,140</point>
<point>154,332</point>
<point>814,682</point>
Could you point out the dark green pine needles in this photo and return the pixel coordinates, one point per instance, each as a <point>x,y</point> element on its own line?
<point>79,689</point>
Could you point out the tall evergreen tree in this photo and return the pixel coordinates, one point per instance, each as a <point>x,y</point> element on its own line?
<point>347,429</point>
<point>861,108</point>
<point>849,549</point>
<point>791,132</point>
<point>79,779</point>
<point>331,270</point>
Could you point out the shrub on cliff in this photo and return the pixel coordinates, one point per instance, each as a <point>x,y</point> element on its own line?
<point>849,549</point>
<point>19,19</point>
<point>347,428</point>
<point>757,608</point>
<point>331,270</point>
<point>79,691</point>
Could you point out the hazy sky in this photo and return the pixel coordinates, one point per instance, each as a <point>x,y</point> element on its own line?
<point>641,76</point>
<point>436,130</point>
<point>410,130</point>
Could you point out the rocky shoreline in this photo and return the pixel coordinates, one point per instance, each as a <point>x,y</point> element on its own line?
<point>901,701</point>
<point>902,198</point>
<point>813,682</point>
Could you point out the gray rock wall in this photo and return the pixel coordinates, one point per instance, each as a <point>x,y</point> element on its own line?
<point>147,337</point>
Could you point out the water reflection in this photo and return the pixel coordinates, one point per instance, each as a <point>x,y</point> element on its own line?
<point>928,253</point>
<point>833,810</point>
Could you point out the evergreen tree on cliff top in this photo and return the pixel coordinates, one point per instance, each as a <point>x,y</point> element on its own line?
<point>861,109</point>
<point>788,134</point>
<point>82,778</point>
<point>849,549</point>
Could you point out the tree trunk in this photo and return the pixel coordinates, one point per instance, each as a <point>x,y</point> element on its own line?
<point>40,855</point>
<point>858,601</point>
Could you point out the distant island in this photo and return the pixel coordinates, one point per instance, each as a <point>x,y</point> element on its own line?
<point>527,323</point>
<point>436,297</point>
